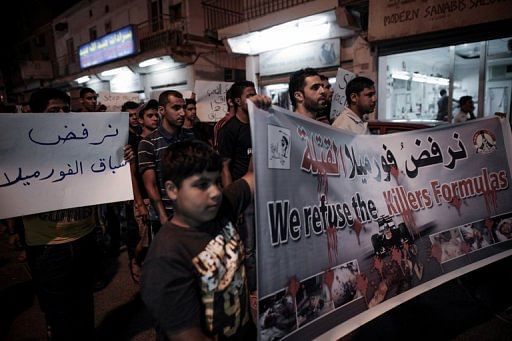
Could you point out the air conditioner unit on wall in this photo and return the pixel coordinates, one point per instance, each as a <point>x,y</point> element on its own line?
<point>500,72</point>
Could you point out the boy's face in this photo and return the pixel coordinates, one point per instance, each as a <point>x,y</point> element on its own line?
<point>133,121</point>
<point>149,119</point>
<point>197,200</point>
<point>190,113</point>
<point>56,105</point>
<point>90,101</point>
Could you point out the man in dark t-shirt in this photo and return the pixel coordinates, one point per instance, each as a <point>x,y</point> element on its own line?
<point>194,279</point>
<point>235,136</point>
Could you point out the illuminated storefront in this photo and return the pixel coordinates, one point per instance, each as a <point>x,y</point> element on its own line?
<point>425,47</point>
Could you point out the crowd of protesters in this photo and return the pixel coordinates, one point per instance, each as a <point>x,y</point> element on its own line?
<point>189,232</point>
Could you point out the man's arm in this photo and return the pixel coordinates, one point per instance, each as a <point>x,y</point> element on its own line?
<point>149,178</point>
<point>226,149</point>
<point>137,196</point>
<point>249,177</point>
<point>225,174</point>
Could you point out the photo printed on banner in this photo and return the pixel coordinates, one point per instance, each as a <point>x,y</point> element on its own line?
<point>279,146</point>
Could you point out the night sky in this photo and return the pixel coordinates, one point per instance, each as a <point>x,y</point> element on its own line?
<point>20,18</point>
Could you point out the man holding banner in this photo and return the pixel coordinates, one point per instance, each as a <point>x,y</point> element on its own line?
<point>307,93</point>
<point>61,253</point>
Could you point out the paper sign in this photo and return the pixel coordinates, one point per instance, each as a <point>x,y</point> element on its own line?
<point>339,99</point>
<point>211,100</point>
<point>62,160</point>
<point>115,100</point>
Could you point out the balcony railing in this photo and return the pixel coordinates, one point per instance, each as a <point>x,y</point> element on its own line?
<point>222,13</point>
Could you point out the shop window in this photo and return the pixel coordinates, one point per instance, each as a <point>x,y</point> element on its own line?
<point>413,84</point>
<point>498,83</point>
<point>410,83</point>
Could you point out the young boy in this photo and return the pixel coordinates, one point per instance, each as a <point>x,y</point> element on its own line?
<point>193,279</point>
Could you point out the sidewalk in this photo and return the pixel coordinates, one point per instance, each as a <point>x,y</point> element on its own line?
<point>120,314</point>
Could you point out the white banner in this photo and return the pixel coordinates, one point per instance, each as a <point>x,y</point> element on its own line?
<point>63,160</point>
<point>347,222</point>
<point>211,100</point>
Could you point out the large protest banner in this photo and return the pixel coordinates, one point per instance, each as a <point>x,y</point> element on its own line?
<point>56,161</point>
<point>347,223</point>
<point>211,100</point>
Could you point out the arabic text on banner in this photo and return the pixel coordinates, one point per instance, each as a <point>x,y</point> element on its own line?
<point>57,161</point>
<point>345,222</point>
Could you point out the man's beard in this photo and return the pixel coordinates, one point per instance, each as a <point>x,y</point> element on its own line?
<point>313,106</point>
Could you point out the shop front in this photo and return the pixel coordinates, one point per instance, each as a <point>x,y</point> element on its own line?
<point>430,54</point>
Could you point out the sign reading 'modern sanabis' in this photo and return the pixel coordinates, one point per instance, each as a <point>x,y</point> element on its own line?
<point>400,18</point>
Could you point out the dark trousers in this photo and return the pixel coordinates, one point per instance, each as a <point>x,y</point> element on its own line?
<point>63,278</point>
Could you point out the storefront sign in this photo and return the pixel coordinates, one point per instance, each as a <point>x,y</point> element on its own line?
<point>211,100</point>
<point>348,222</point>
<point>317,54</point>
<point>400,18</point>
<point>58,161</point>
<point>112,46</point>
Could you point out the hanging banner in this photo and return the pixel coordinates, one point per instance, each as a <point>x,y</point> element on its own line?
<point>54,161</point>
<point>211,100</point>
<point>346,222</point>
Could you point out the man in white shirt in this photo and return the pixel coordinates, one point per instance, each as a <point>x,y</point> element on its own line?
<point>361,100</point>
<point>467,106</point>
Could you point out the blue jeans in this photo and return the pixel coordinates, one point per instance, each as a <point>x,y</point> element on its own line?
<point>63,277</point>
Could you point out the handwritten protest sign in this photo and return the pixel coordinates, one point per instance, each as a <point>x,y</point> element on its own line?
<point>114,101</point>
<point>339,99</point>
<point>57,161</point>
<point>352,221</point>
<point>211,100</point>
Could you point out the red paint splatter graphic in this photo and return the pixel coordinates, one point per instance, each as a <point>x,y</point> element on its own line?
<point>378,264</point>
<point>490,201</point>
<point>357,228</point>
<point>293,287</point>
<point>329,279</point>
<point>395,172</point>
<point>489,224</point>
<point>396,255</point>
<point>465,247</point>
<point>323,184</point>
<point>410,222</point>
<point>436,252</point>
<point>362,286</point>
<point>456,202</point>
<point>332,245</point>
